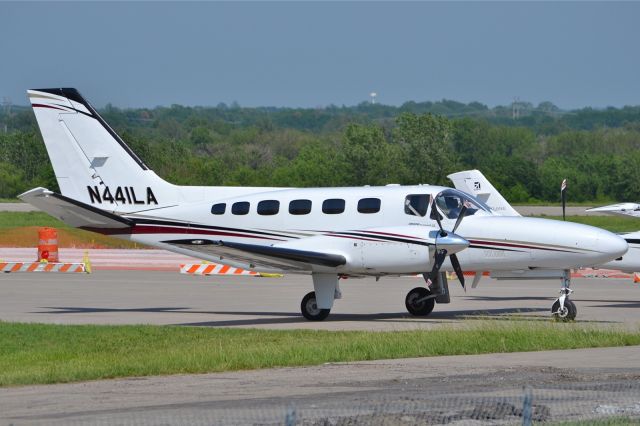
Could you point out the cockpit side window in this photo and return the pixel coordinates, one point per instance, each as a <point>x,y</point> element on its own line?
<point>416,204</point>
<point>450,203</point>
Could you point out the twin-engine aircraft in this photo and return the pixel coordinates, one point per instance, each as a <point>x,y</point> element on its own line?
<point>328,233</point>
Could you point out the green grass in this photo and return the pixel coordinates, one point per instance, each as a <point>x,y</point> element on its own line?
<point>610,223</point>
<point>19,219</point>
<point>46,353</point>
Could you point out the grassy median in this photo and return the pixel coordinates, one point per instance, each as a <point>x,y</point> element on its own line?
<point>46,353</point>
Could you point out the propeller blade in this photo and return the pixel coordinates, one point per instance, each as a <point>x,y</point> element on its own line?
<point>438,260</point>
<point>435,215</point>
<point>463,211</point>
<point>456,267</point>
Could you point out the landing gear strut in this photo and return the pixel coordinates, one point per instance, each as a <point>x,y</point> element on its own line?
<point>564,309</point>
<point>315,306</point>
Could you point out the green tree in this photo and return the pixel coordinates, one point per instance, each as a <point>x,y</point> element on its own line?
<point>426,142</point>
<point>368,159</point>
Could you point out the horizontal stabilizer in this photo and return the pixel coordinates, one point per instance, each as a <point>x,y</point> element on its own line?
<point>262,256</point>
<point>72,212</point>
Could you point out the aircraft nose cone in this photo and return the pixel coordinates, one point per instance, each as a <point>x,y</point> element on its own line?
<point>612,244</point>
<point>452,243</point>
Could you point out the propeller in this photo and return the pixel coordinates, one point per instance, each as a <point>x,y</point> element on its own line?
<point>447,242</point>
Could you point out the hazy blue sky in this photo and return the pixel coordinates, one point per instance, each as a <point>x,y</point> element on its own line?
<point>312,54</point>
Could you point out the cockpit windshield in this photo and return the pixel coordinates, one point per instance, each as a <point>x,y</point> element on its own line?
<point>450,204</point>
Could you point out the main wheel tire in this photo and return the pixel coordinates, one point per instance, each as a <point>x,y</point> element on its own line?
<point>568,314</point>
<point>310,310</point>
<point>415,305</point>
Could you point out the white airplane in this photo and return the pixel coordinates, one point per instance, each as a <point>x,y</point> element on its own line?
<point>475,183</point>
<point>622,209</point>
<point>325,232</point>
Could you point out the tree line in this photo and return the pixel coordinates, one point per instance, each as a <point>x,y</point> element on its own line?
<point>526,158</point>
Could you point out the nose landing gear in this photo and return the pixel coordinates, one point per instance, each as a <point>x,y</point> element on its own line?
<point>564,309</point>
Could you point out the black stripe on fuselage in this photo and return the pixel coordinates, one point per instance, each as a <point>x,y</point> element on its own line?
<point>187,226</point>
<point>384,238</point>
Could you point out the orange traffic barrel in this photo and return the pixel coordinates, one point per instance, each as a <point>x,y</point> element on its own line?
<point>48,244</point>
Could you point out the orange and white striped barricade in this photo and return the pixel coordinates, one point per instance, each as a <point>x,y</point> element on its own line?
<point>216,269</point>
<point>42,267</point>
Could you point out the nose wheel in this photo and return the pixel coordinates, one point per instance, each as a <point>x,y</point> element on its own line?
<point>420,301</point>
<point>567,312</point>
<point>564,309</point>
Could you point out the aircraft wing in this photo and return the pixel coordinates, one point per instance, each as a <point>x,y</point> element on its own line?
<point>262,256</point>
<point>72,212</point>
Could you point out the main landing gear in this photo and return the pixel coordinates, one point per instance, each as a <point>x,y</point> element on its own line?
<point>316,306</point>
<point>564,309</point>
<point>310,310</point>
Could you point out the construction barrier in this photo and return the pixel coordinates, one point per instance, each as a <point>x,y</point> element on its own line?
<point>216,269</point>
<point>48,245</point>
<point>42,267</point>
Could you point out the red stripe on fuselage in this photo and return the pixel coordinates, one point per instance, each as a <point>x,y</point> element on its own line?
<point>149,229</point>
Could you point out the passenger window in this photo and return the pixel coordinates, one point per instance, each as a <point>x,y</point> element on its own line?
<point>299,207</point>
<point>219,208</point>
<point>416,204</point>
<point>369,205</point>
<point>333,206</point>
<point>240,208</point>
<point>268,207</point>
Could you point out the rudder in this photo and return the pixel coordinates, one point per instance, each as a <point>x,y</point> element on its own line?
<point>91,162</point>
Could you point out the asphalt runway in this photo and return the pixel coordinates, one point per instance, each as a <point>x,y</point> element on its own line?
<point>148,297</point>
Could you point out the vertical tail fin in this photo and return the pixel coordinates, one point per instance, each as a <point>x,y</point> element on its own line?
<point>473,182</point>
<point>91,162</point>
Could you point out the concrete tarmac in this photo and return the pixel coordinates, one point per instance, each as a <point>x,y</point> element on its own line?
<point>141,297</point>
